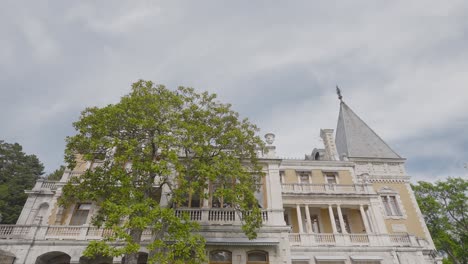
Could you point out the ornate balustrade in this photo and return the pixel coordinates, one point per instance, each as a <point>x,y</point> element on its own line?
<point>14,231</point>
<point>306,188</point>
<point>52,185</point>
<point>52,232</point>
<point>194,214</point>
<point>28,232</point>
<point>403,239</point>
<point>216,215</point>
<point>323,239</point>
<point>359,239</point>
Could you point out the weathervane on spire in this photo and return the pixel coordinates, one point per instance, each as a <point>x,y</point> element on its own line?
<point>338,92</point>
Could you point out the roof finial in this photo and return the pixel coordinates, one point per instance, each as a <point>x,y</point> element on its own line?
<point>338,92</point>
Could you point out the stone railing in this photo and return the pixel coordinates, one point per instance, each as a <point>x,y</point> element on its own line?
<point>85,232</point>
<point>54,232</point>
<point>306,188</point>
<point>321,239</point>
<point>52,185</point>
<point>44,185</point>
<point>401,239</point>
<point>216,215</point>
<point>15,231</point>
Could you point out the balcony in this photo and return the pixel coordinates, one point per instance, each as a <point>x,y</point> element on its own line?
<point>325,239</point>
<point>47,186</point>
<point>306,188</point>
<point>216,216</point>
<point>28,232</point>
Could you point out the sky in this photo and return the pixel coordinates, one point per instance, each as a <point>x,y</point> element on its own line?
<point>402,67</point>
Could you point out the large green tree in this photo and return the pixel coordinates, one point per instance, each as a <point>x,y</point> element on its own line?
<point>153,139</point>
<point>444,206</point>
<point>18,172</point>
<point>56,175</point>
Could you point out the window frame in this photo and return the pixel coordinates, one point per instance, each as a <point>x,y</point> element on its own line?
<point>77,210</point>
<point>326,174</point>
<point>219,262</point>
<point>303,173</point>
<point>390,201</point>
<point>258,262</point>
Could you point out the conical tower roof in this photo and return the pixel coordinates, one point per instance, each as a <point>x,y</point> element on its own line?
<point>355,139</point>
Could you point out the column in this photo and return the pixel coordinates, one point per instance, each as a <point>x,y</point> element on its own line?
<point>309,222</point>
<point>332,218</point>
<point>340,216</point>
<point>376,217</point>
<point>206,198</point>
<point>206,205</point>
<point>299,219</point>
<point>364,219</point>
<point>274,198</point>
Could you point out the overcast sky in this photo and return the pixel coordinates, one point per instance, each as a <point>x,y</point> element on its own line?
<point>402,67</point>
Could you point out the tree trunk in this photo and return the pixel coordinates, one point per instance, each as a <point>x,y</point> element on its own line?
<point>156,236</point>
<point>132,258</point>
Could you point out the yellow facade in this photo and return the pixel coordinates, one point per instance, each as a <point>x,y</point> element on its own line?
<point>355,221</point>
<point>318,176</point>
<point>295,227</point>
<point>326,224</point>
<point>290,176</point>
<point>412,221</point>
<point>344,177</point>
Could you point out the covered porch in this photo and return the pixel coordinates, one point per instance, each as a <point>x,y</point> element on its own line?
<point>338,225</point>
<point>328,218</point>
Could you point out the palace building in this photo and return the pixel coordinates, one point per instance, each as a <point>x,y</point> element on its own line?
<point>348,202</point>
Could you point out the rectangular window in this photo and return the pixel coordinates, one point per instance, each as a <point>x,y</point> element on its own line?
<point>391,207</point>
<point>80,215</point>
<point>388,210</point>
<point>281,174</point>
<point>304,176</point>
<point>394,205</point>
<point>331,178</point>
<point>346,223</point>
<point>315,223</point>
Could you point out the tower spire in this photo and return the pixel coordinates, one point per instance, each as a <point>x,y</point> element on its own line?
<point>355,139</point>
<point>338,92</point>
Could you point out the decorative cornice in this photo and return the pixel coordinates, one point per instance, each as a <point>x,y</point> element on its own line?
<point>317,163</point>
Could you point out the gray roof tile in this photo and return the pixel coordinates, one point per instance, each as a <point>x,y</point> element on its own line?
<point>357,140</point>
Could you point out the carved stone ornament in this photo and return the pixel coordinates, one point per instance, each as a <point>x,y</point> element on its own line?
<point>269,138</point>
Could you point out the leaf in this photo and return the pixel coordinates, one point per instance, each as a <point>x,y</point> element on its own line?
<point>154,139</point>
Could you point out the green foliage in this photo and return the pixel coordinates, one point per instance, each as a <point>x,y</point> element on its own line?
<point>56,175</point>
<point>443,205</point>
<point>18,172</point>
<point>180,140</point>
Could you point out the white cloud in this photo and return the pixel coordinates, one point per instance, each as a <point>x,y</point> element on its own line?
<point>125,18</point>
<point>45,48</point>
<point>401,67</point>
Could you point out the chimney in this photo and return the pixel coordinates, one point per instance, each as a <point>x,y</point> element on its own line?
<point>329,143</point>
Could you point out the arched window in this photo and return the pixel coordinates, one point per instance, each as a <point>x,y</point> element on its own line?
<point>7,257</point>
<point>54,257</point>
<point>257,257</point>
<point>41,213</point>
<point>142,258</point>
<point>98,259</point>
<point>220,256</point>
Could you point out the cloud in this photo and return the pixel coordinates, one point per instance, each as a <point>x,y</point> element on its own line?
<point>401,68</point>
<point>114,19</point>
